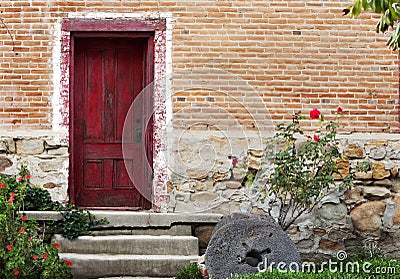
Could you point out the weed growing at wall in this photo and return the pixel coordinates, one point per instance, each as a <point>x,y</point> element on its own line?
<point>191,271</point>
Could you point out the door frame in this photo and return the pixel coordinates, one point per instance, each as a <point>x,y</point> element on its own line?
<point>126,28</point>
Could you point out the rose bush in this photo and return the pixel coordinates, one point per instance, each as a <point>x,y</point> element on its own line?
<point>24,252</point>
<point>303,167</point>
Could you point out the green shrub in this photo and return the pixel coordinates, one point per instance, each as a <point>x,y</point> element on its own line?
<point>37,198</point>
<point>191,271</point>
<point>23,251</point>
<point>76,222</point>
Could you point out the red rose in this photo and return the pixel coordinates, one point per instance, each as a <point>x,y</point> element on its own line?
<point>35,258</point>
<point>19,178</point>
<point>56,245</point>
<point>45,256</point>
<point>235,162</point>
<point>23,218</point>
<point>21,230</point>
<point>339,110</point>
<point>315,113</point>
<point>69,264</point>
<point>9,247</point>
<point>16,272</point>
<point>27,176</point>
<point>316,138</point>
<point>2,185</point>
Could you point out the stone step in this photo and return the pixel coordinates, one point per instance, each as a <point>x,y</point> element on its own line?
<point>174,230</point>
<point>134,219</point>
<point>87,266</point>
<point>130,244</point>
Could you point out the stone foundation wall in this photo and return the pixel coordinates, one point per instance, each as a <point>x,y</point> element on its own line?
<point>368,213</point>
<point>207,169</point>
<point>47,159</point>
<point>207,174</point>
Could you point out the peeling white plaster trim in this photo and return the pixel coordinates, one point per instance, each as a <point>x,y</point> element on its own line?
<point>56,57</point>
<point>106,15</point>
<point>168,70</point>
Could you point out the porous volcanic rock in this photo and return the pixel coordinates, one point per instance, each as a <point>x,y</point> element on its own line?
<point>244,243</point>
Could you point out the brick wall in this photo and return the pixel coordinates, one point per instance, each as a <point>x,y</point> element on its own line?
<point>295,54</point>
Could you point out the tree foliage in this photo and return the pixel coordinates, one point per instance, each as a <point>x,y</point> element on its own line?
<point>390,14</point>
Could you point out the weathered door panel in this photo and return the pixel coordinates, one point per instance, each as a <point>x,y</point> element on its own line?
<point>108,74</point>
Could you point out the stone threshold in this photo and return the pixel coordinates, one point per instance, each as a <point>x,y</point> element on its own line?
<point>134,219</point>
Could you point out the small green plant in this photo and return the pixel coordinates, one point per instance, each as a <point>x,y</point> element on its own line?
<point>303,171</point>
<point>191,271</point>
<point>76,222</point>
<point>37,198</point>
<point>23,250</point>
<point>369,250</point>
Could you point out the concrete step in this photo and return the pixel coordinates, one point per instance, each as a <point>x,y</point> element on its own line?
<point>87,266</point>
<point>174,230</point>
<point>130,244</point>
<point>135,219</point>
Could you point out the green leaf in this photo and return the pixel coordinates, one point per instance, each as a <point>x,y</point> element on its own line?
<point>376,6</point>
<point>396,8</point>
<point>366,4</point>
<point>356,10</point>
<point>388,18</point>
<point>393,15</point>
<point>384,4</point>
<point>393,41</point>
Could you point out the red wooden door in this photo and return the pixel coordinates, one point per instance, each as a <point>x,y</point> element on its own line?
<point>108,74</point>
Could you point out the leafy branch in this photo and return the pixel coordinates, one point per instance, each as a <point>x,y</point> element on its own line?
<point>390,13</point>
